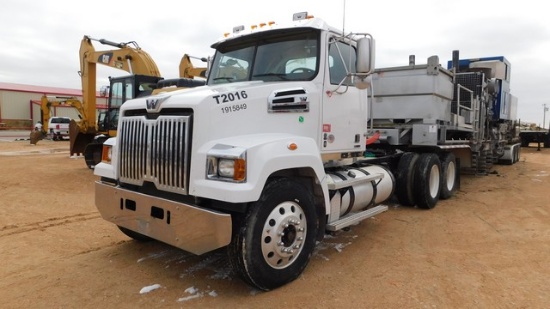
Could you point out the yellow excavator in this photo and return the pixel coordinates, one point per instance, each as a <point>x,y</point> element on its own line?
<point>88,134</point>
<point>46,104</point>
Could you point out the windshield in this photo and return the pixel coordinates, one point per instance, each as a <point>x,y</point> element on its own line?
<point>60,120</point>
<point>272,56</point>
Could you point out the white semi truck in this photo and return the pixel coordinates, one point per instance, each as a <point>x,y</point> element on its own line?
<point>283,144</point>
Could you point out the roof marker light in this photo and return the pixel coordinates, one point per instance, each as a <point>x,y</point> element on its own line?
<point>238,29</point>
<point>300,16</point>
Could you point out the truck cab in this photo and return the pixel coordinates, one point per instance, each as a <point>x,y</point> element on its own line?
<point>306,77</point>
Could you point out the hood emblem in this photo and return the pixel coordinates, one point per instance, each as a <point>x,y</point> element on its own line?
<point>153,103</point>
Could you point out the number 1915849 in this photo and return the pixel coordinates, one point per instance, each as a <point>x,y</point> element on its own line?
<point>233,108</point>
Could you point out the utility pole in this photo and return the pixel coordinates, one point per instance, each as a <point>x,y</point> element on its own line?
<point>544,115</point>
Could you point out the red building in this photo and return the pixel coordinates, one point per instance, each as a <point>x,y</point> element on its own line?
<point>20,104</point>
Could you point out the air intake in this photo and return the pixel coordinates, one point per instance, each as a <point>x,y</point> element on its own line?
<point>291,100</point>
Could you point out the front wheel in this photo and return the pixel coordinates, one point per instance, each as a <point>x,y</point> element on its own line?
<point>92,153</point>
<point>134,235</point>
<point>275,240</point>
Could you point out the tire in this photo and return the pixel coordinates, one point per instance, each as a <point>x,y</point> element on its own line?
<point>404,189</point>
<point>275,240</point>
<point>134,235</point>
<point>427,180</point>
<point>449,183</point>
<point>92,154</point>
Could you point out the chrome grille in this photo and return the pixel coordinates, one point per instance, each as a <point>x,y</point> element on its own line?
<point>155,151</point>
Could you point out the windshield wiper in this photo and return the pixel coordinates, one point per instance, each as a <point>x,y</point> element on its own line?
<point>227,78</point>
<point>279,75</point>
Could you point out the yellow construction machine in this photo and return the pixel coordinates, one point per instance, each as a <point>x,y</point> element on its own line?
<point>47,102</point>
<point>88,134</point>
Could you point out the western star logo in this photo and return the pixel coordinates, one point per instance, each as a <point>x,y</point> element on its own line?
<point>153,103</point>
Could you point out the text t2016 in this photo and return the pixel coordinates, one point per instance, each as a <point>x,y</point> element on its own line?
<point>230,97</point>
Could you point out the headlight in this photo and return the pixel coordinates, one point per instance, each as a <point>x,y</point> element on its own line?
<point>226,163</point>
<point>226,168</point>
<point>106,154</point>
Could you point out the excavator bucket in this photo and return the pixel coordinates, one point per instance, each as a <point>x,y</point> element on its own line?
<point>36,136</point>
<point>78,140</point>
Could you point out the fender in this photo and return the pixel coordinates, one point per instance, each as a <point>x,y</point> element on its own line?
<point>108,170</point>
<point>265,155</point>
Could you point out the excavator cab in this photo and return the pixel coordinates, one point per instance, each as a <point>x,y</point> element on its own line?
<point>102,122</point>
<point>121,89</point>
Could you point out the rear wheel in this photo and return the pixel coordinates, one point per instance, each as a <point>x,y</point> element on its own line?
<point>448,175</point>
<point>404,189</point>
<point>427,180</point>
<point>276,238</point>
<point>515,154</point>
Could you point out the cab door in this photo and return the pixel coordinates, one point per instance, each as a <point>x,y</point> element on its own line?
<point>344,119</point>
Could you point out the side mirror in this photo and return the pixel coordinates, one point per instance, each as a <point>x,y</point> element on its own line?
<point>365,55</point>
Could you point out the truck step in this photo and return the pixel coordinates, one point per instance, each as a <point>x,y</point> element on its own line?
<point>355,218</point>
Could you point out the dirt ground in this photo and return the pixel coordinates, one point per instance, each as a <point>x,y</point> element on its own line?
<point>487,247</point>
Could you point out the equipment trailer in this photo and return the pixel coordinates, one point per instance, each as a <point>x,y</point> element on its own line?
<point>437,115</point>
<point>535,136</point>
<point>284,143</point>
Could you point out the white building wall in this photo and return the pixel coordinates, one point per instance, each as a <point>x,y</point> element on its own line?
<point>25,107</point>
<point>15,105</point>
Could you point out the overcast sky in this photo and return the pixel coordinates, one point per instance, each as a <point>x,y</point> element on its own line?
<point>39,40</point>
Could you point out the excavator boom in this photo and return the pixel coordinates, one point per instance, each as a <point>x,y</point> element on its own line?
<point>88,134</point>
<point>47,102</point>
<point>128,57</point>
<point>187,70</point>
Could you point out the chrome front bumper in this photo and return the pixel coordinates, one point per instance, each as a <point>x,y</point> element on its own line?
<point>181,225</point>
